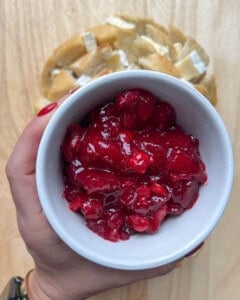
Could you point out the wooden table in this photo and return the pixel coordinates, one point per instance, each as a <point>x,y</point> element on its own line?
<point>30,30</point>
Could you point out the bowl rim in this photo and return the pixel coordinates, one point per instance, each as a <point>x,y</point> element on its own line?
<point>57,116</point>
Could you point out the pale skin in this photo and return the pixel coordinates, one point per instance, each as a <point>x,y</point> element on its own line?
<point>59,273</point>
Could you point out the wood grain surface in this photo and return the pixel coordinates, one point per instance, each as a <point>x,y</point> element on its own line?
<point>29,32</point>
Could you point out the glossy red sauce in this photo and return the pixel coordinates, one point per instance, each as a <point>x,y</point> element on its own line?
<point>128,166</point>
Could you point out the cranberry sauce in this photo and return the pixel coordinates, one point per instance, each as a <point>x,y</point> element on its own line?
<point>129,165</point>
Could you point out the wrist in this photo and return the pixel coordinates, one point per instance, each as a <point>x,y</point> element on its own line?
<point>35,288</point>
<point>40,287</point>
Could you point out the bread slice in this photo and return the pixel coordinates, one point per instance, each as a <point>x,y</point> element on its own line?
<point>191,45</point>
<point>192,67</point>
<point>104,34</point>
<point>120,23</point>
<point>69,51</point>
<point>161,38</point>
<point>139,22</point>
<point>93,62</point>
<point>202,89</point>
<point>125,42</point>
<point>159,63</point>
<point>62,83</point>
<point>46,77</point>
<point>175,35</point>
<point>102,72</point>
<point>210,83</point>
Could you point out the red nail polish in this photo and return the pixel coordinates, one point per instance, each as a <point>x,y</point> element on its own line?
<point>46,109</point>
<point>74,90</point>
<point>194,251</point>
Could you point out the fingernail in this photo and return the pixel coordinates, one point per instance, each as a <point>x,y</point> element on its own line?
<point>46,109</point>
<point>74,90</point>
<point>196,251</point>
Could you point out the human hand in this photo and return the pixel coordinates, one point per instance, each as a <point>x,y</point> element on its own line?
<point>59,272</point>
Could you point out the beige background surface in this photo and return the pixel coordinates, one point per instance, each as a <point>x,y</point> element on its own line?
<point>30,30</point>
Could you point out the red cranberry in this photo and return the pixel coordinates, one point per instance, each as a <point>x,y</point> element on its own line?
<point>185,192</point>
<point>72,142</point>
<point>77,202</point>
<point>156,218</point>
<point>92,208</point>
<point>94,180</point>
<point>137,222</point>
<point>164,115</point>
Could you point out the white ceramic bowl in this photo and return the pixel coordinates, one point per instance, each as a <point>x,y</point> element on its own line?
<point>177,236</point>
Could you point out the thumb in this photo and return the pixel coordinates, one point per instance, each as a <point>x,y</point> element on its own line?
<point>20,168</point>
